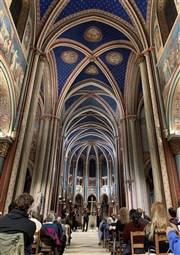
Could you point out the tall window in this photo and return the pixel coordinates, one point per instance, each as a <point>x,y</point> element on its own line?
<point>80,168</point>
<point>92,168</point>
<point>104,168</point>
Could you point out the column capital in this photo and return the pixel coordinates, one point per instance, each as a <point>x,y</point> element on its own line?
<point>141,59</point>
<point>49,116</point>
<point>174,141</point>
<point>4,146</point>
<point>43,57</point>
<point>130,117</point>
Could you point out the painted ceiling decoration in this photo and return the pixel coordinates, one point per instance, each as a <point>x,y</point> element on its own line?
<point>95,45</point>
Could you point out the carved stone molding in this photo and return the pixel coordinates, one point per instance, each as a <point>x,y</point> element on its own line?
<point>175,144</point>
<point>4,146</point>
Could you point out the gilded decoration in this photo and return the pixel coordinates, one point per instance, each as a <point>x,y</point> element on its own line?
<point>93,34</point>
<point>3,149</point>
<point>114,58</point>
<point>69,57</point>
<point>92,69</point>
<point>5,104</point>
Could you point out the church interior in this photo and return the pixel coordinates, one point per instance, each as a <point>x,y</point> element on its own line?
<point>90,103</point>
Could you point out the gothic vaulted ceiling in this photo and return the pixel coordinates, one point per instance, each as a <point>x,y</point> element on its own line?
<point>93,46</point>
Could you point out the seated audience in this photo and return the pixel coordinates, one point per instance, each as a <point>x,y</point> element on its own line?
<point>103,230</point>
<point>122,219</point>
<point>174,240</point>
<point>49,233</point>
<point>133,225</point>
<point>61,234</point>
<point>158,225</point>
<point>142,219</point>
<point>172,213</point>
<point>17,221</point>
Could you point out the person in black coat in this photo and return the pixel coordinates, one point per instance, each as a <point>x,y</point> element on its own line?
<point>17,221</point>
<point>85,214</point>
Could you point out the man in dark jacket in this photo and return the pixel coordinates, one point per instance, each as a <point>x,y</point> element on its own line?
<point>16,221</point>
<point>85,219</point>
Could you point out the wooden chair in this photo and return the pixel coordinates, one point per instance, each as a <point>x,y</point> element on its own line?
<point>135,244</point>
<point>121,243</point>
<point>35,245</point>
<point>158,239</point>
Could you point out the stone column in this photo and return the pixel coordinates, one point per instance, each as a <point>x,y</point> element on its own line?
<point>39,172</point>
<point>64,179</point>
<point>108,180</point>
<point>75,180</point>
<point>98,180</point>
<point>29,128</point>
<point>159,137</point>
<point>139,177</point>
<point>51,166</point>
<point>151,132</point>
<point>124,159</point>
<point>34,77</point>
<point>126,166</point>
<point>116,173</point>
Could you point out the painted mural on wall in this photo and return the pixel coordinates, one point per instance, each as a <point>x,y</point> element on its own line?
<point>5,104</point>
<point>10,50</point>
<point>175,111</point>
<point>171,56</point>
<point>157,38</point>
<point>6,34</point>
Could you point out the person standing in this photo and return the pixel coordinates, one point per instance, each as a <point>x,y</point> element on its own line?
<point>85,214</point>
<point>75,215</point>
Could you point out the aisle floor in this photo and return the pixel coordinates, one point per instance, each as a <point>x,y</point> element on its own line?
<point>85,243</point>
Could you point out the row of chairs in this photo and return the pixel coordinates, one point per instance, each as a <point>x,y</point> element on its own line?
<point>158,238</point>
<point>110,243</point>
<point>44,248</point>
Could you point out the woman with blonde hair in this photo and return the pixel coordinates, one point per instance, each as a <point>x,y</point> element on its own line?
<point>158,225</point>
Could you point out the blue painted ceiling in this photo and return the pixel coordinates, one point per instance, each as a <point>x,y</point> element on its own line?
<point>101,74</point>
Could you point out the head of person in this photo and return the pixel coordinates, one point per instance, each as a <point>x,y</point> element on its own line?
<point>133,214</point>
<point>35,215</point>
<point>124,215</point>
<point>24,201</point>
<point>50,217</point>
<point>159,219</point>
<point>172,212</point>
<point>140,211</point>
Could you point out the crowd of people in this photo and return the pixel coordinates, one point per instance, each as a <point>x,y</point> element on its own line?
<point>160,221</point>
<point>19,225</point>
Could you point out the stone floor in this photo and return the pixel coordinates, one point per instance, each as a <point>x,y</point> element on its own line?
<point>85,243</point>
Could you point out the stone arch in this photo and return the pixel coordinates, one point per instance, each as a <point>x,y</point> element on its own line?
<point>7,102</point>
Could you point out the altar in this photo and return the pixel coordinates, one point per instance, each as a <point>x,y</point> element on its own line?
<point>92,222</point>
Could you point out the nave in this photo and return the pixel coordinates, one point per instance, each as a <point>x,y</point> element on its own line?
<point>85,243</point>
